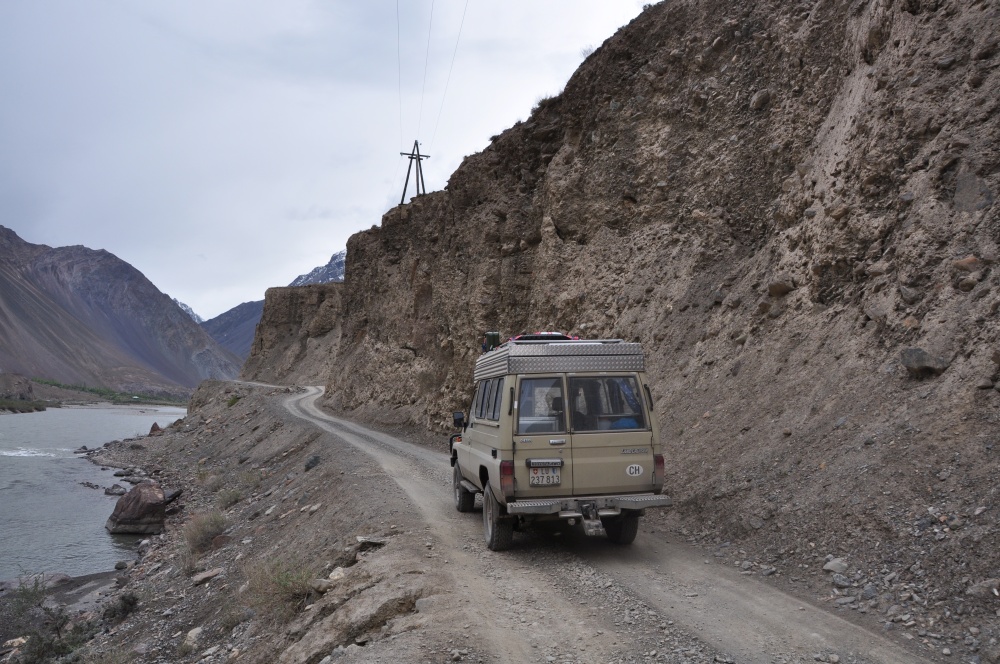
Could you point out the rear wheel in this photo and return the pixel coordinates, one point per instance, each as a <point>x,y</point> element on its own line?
<point>464,499</point>
<point>622,529</point>
<point>499,529</point>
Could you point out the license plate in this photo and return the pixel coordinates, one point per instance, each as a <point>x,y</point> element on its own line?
<point>543,477</point>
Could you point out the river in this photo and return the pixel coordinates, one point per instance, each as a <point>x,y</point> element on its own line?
<point>49,521</point>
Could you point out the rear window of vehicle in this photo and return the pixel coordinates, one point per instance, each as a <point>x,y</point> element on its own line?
<point>540,406</point>
<point>598,403</point>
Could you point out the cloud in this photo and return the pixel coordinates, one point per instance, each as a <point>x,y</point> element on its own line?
<point>225,147</point>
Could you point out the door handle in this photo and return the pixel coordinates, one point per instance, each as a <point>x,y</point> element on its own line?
<point>557,441</point>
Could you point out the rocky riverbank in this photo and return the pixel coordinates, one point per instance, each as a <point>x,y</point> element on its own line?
<point>286,545</point>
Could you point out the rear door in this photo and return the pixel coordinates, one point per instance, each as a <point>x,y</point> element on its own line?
<point>611,439</point>
<point>542,461</point>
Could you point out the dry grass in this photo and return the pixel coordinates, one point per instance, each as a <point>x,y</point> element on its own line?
<point>112,657</point>
<point>278,589</point>
<point>227,498</point>
<point>251,479</point>
<point>201,529</point>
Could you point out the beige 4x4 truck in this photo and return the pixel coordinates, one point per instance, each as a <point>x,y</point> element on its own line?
<point>559,428</point>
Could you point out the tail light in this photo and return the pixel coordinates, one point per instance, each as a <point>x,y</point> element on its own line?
<point>507,478</point>
<point>659,473</point>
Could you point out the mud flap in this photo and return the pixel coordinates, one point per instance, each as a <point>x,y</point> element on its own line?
<point>591,522</point>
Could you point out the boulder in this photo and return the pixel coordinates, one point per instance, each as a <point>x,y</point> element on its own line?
<point>836,565</point>
<point>920,363</point>
<point>141,511</point>
<point>783,285</point>
<point>985,589</point>
<point>205,577</point>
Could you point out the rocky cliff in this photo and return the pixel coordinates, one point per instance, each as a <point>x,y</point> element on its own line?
<point>792,206</point>
<point>298,336</point>
<point>85,317</point>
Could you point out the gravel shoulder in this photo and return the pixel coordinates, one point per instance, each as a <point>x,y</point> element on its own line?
<point>684,599</point>
<point>378,566</point>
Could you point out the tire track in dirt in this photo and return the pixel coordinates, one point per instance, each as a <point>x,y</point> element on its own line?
<point>499,594</point>
<point>733,613</point>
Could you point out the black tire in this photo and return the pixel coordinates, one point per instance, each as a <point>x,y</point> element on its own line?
<point>622,529</point>
<point>499,529</point>
<point>464,499</point>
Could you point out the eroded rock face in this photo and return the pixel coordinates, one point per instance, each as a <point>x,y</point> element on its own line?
<point>141,511</point>
<point>661,182</point>
<point>297,323</point>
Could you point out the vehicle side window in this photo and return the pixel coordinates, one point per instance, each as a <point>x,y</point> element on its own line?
<point>606,402</point>
<point>486,403</point>
<point>497,399</point>
<point>477,400</point>
<point>540,406</point>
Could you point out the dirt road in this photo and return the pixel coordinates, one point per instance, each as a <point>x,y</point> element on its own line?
<point>560,596</point>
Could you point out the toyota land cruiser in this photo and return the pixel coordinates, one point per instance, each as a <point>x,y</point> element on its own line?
<point>559,428</point>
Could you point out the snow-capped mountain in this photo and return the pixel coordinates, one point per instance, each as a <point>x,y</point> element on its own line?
<point>189,311</point>
<point>332,271</point>
<point>234,329</point>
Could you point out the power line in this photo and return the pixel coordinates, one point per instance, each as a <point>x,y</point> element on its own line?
<point>427,59</point>
<point>399,76</point>
<point>393,183</point>
<point>448,80</point>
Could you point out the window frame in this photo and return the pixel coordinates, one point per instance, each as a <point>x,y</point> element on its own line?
<point>562,427</point>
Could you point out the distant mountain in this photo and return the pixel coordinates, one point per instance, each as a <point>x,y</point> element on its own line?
<point>189,311</point>
<point>332,271</point>
<point>86,317</point>
<point>235,328</point>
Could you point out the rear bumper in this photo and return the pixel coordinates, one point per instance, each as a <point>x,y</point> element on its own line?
<point>573,507</point>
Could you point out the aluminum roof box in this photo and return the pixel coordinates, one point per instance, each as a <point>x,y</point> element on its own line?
<point>563,356</point>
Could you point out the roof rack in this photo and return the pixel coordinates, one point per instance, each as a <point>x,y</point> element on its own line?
<point>519,356</point>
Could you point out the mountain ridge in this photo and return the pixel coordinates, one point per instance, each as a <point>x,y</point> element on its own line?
<point>83,316</point>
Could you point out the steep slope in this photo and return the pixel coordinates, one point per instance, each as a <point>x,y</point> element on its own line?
<point>792,206</point>
<point>234,329</point>
<point>81,316</point>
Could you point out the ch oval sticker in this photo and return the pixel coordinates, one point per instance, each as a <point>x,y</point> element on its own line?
<point>634,470</point>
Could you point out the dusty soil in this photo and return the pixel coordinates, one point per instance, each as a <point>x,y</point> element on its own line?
<point>419,585</point>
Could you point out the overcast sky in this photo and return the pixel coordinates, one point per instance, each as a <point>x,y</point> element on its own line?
<point>225,146</point>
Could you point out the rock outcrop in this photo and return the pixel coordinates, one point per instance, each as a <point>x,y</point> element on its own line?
<point>298,336</point>
<point>15,388</point>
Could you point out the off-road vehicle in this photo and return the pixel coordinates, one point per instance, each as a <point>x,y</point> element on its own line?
<point>559,428</point>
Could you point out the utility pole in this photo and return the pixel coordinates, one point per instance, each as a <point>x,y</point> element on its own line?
<point>419,179</point>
